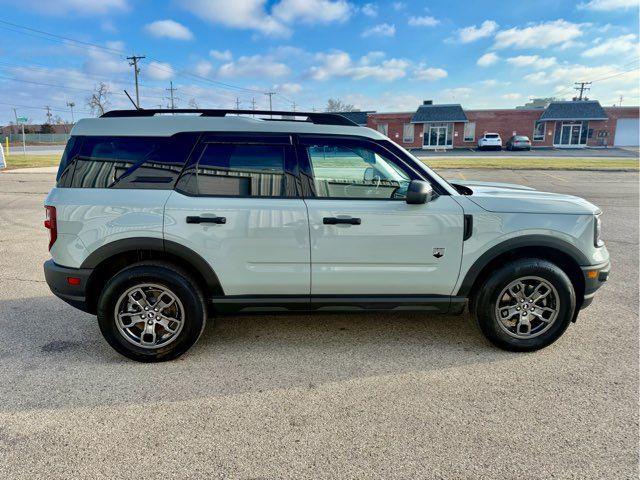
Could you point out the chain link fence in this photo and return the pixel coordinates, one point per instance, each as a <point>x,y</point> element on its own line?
<point>36,138</point>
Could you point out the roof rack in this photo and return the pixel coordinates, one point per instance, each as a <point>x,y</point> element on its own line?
<point>321,118</point>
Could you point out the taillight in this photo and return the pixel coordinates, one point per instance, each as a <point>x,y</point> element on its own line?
<point>51,224</point>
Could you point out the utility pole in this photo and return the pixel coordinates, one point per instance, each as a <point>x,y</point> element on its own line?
<point>293,105</point>
<point>583,88</point>
<point>620,100</point>
<point>49,115</point>
<point>136,70</point>
<point>270,95</point>
<point>237,103</point>
<point>171,97</point>
<point>71,105</point>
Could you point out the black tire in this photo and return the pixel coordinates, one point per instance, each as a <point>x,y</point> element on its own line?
<point>484,303</point>
<point>179,283</point>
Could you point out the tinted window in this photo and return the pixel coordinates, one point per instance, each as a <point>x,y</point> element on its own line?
<point>131,162</point>
<point>239,170</point>
<point>355,172</point>
<point>65,170</point>
<point>491,135</point>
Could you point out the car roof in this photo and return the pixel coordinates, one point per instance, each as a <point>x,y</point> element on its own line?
<point>167,125</point>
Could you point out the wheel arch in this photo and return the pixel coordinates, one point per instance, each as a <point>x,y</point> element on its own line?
<point>109,259</point>
<point>560,252</point>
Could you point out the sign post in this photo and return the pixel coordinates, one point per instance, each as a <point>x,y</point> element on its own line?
<point>3,163</point>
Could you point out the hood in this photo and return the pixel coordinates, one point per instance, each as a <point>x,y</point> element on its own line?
<point>511,198</point>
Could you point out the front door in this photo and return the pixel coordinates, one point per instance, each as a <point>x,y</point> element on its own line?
<point>571,134</point>
<point>436,136</point>
<point>237,206</point>
<point>365,238</point>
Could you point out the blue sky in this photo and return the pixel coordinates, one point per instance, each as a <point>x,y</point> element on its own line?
<point>377,55</point>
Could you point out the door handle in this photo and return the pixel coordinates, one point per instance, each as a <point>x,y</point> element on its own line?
<point>341,221</point>
<point>218,220</point>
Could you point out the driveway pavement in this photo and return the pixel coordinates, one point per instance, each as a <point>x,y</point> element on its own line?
<point>386,395</point>
<point>536,152</point>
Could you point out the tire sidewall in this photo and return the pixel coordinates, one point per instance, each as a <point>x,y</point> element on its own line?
<point>486,303</point>
<point>179,284</point>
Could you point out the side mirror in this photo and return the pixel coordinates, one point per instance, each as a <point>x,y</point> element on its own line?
<point>369,174</point>
<point>419,192</point>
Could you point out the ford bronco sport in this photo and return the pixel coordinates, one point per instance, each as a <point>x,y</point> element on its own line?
<point>162,219</point>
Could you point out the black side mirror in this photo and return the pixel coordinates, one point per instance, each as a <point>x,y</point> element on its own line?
<point>418,192</point>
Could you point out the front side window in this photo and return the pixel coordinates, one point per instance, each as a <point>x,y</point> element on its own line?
<point>238,170</point>
<point>538,132</point>
<point>355,172</point>
<point>469,131</point>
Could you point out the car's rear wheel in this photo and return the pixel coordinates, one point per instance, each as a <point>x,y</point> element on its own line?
<point>151,312</point>
<point>525,305</point>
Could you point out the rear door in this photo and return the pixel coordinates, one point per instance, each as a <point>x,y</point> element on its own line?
<point>365,238</point>
<point>237,205</point>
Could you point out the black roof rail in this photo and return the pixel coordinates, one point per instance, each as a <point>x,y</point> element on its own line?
<point>320,118</point>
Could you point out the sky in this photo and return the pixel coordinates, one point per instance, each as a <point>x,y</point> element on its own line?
<point>377,55</point>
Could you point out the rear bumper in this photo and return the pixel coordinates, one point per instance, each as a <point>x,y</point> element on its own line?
<point>57,278</point>
<point>594,277</point>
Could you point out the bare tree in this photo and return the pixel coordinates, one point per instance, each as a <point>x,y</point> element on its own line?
<point>98,102</point>
<point>193,103</point>
<point>337,105</point>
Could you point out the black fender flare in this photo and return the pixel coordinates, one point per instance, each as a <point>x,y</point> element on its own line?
<point>159,245</point>
<point>518,242</point>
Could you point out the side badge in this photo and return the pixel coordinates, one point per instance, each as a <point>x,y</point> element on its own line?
<point>438,252</point>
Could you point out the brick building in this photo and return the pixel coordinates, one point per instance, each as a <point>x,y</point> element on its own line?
<point>572,124</point>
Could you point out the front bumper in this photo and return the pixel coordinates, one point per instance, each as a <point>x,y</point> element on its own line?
<point>594,277</point>
<point>74,292</point>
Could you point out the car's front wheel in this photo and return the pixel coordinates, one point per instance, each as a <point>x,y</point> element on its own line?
<point>151,312</point>
<point>525,305</point>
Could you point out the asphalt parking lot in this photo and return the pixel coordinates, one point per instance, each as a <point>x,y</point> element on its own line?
<point>535,152</point>
<point>388,395</point>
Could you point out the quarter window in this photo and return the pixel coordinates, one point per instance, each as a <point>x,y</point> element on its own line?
<point>238,171</point>
<point>539,131</point>
<point>355,172</point>
<point>469,131</point>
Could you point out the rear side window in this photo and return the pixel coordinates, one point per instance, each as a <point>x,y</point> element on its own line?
<point>130,162</point>
<point>239,170</point>
<point>65,169</point>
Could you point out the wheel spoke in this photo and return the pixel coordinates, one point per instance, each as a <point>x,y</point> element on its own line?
<point>540,311</point>
<point>517,291</point>
<point>138,297</point>
<point>540,292</point>
<point>507,312</point>
<point>129,319</point>
<point>148,337</point>
<point>166,323</point>
<point>524,326</point>
<point>163,302</point>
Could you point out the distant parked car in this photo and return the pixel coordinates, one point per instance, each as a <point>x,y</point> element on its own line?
<point>519,142</point>
<point>490,140</point>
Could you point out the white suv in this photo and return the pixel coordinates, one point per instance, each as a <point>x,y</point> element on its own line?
<point>490,140</point>
<point>159,222</point>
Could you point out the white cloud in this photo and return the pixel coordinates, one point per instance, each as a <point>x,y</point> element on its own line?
<point>254,14</point>
<point>543,35</point>
<point>76,7</point>
<point>613,46</point>
<point>473,33</point>
<point>398,6</point>
<point>382,30</point>
<point>458,94</point>
<point>312,11</point>
<point>429,74</point>
<point>158,70</point>
<point>370,10</point>
<point>255,66</point>
<point>487,59</point>
<point>424,21</point>
<point>203,68</point>
<point>288,88</point>
<point>224,56</point>
<point>339,64</point>
<point>169,29</point>
<point>511,96</point>
<point>565,75</point>
<point>607,5</point>
<point>100,62</point>
<point>242,14</point>
<point>532,61</point>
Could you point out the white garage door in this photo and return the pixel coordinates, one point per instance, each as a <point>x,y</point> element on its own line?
<point>627,132</point>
